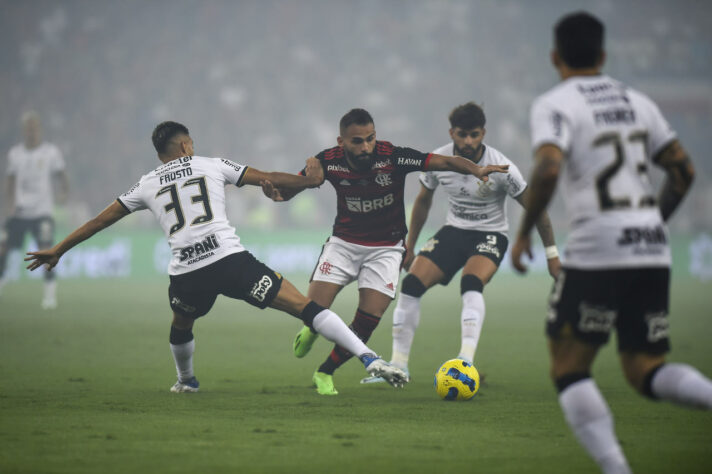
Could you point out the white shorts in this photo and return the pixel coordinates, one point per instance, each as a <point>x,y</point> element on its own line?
<point>377,268</point>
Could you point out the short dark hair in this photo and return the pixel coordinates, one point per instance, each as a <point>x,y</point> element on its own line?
<point>467,116</point>
<point>354,116</point>
<point>164,132</point>
<point>579,39</point>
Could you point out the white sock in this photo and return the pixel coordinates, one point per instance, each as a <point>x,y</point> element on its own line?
<point>590,419</point>
<point>406,318</point>
<point>50,289</point>
<point>329,324</point>
<point>471,319</point>
<point>183,357</point>
<point>684,385</point>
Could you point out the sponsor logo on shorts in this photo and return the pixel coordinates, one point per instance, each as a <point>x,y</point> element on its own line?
<point>199,250</point>
<point>658,326</point>
<point>488,248</point>
<point>383,179</point>
<point>186,308</point>
<point>259,291</point>
<point>596,318</point>
<point>429,245</point>
<point>325,268</point>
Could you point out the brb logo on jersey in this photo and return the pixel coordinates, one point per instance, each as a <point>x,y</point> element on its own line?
<point>356,204</point>
<point>383,179</point>
<point>259,291</point>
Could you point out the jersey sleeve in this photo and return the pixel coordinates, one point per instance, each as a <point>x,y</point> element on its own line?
<point>429,180</point>
<point>132,200</point>
<point>408,159</point>
<point>232,172</point>
<point>549,126</point>
<point>515,182</point>
<point>660,133</point>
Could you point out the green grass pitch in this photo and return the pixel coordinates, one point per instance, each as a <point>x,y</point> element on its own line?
<point>84,389</point>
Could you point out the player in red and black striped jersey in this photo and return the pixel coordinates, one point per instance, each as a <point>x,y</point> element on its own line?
<point>369,202</point>
<point>369,230</point>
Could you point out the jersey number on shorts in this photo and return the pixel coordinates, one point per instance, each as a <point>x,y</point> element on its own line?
<point>605,199</point>
<point>175,206</point>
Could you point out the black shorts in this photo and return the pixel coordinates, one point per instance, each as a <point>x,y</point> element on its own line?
<point>450,248</point>
<point>590,303</point>
<point>41,228</point>
<point>239,275</point>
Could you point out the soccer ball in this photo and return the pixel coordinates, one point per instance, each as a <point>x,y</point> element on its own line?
<point>457,380</point>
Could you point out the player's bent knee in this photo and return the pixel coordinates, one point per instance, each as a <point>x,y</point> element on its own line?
<point>412,286</point>
<point>470,282</point>
<point>180,335</point>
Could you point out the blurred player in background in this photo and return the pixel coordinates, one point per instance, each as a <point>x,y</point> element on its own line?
<point>367,241</point>
<point>33,167</point>
<point>600,136</point>
<point>474,236</point>
<point>187,196</point>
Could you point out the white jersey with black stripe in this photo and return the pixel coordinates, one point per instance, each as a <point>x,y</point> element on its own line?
<point>475,204</point>
<point>608,133</point>
<point>187,196</point>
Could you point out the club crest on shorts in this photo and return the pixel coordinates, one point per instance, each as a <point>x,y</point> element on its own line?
<point>259,291</point>
<point>325,268</point>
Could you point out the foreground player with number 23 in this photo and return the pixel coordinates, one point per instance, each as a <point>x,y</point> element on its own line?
<point>600,136</point>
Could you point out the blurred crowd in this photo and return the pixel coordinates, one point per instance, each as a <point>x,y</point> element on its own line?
<point>265,82</point>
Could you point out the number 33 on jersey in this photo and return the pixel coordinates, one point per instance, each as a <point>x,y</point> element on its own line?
<point>187,196</point>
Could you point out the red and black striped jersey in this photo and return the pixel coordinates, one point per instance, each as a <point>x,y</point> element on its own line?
<point>370,208</point>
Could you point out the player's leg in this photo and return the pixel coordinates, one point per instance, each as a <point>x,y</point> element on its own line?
<point>191,295</point>
<point>423,274</point>
<point>182,344</point>
<point>337,266</point>
<point>477,273</point>
<point>11,237</point>
<point>322,293</point>
<point>581,315</point>
<point>43,232</point>
<point>372,304</point>
<point>644,340</point>
<point>329,325</point>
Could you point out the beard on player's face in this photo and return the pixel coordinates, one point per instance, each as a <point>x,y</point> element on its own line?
<point>361,161</point>
<point>467,151</point>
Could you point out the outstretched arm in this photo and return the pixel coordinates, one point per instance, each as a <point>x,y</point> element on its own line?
<point>463,166</point>
<point>547,165</point>
<point>108,216</point>
<point>546,232</point>
<point>277,192</point>
<point>418,216</point>
<point>680,173</point>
